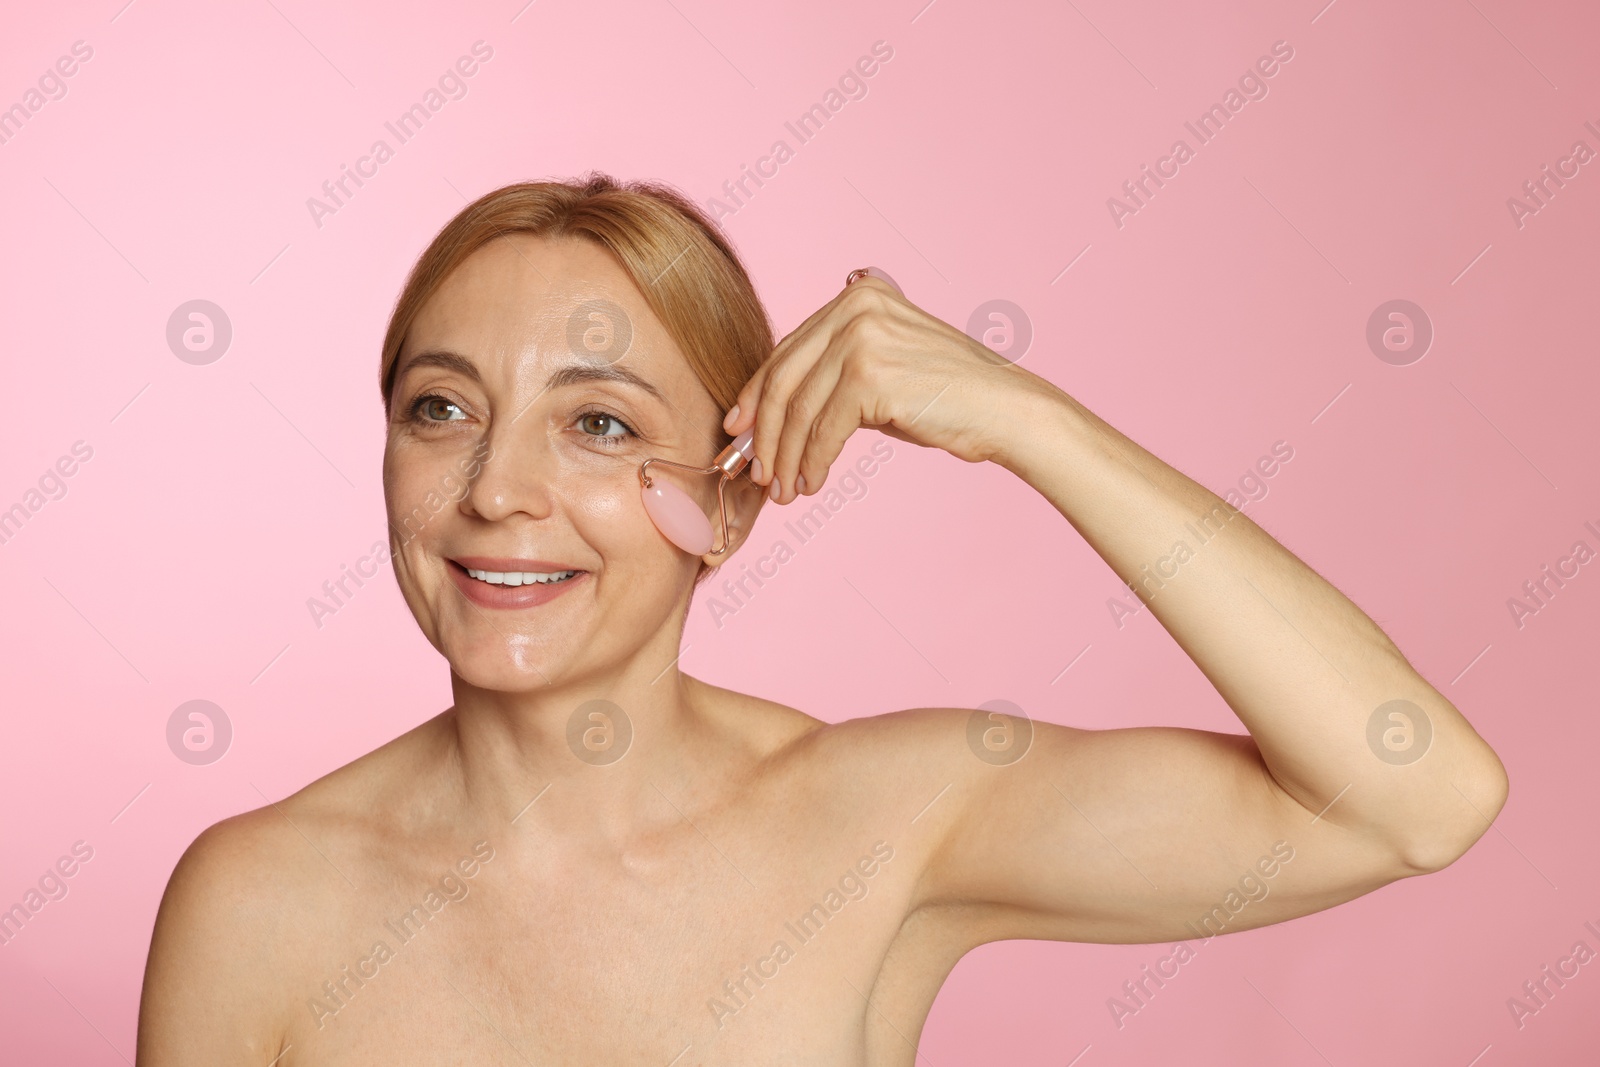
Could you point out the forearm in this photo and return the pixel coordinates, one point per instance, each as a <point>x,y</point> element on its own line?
<point>1297,661</point>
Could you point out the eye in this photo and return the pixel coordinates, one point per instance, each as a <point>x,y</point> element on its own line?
<point>431,407</point>
<point>600,424</point>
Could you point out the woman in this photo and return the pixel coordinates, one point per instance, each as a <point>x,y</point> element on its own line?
<point>593,857</point>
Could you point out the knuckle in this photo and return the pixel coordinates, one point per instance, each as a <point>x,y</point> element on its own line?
<point>864,332</point>
<point>779,380</point>
<point>858,372</point>
<point>865,293</point>
<point>797,403</point>
<point>769,414</point>
<point>854,327</point>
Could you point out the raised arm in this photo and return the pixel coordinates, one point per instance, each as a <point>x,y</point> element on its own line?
<point>1353,760</point>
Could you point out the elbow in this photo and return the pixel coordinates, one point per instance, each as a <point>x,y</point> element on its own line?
<point>1473,805</point>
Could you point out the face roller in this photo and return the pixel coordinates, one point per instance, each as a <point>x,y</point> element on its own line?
<point>675,513</point>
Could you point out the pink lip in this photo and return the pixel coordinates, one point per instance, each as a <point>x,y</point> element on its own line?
<point>508,596</point>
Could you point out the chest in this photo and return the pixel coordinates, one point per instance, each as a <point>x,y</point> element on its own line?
<point>708,946</point>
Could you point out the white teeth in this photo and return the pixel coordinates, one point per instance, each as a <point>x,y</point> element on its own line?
<point>520,577</point>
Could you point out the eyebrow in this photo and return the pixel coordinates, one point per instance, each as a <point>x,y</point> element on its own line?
<point>571,374</point>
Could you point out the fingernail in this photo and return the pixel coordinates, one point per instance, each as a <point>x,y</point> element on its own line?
<point>731,417</point>
<point>776,485</point>
<point>800,483</point>
<point>755,471</point>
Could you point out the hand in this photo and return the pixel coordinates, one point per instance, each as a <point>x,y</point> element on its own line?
<point>870,357</point>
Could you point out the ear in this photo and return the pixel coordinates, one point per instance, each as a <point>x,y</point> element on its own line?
<point>744,499</point>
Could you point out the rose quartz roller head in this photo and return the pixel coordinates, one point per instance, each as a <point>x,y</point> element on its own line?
<point>675,513</point>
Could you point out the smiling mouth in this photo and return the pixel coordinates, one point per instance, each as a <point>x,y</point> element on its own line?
<point>514,578</point>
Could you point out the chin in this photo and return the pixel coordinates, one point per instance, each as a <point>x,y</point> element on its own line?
<point>502,670</point>
<point>587,633</point>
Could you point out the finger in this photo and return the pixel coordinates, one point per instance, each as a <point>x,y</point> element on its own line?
<point>839,418</point>
<point>800,412</point>
<point>782,378</point>
<point>742,415</point>
<point>852,329</point>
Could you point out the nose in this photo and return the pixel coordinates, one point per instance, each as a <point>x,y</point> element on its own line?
<point>517,477</point>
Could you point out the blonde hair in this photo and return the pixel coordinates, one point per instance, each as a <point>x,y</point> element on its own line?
<point>689,274</point>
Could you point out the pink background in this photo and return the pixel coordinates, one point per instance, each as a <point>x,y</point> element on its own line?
<point>1228,314</point>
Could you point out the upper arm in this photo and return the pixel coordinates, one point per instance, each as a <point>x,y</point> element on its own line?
<point>208,966</point>
<point>1139,835</point>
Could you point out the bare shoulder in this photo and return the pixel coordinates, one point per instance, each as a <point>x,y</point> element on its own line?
<point>248,898</point>
<point>235,875</point>
<point>232,902</point>
<point>282,849</point>
<point>894,773</point>
<point>913,744</point>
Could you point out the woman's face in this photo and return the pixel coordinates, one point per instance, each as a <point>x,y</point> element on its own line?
<point>529,390</point>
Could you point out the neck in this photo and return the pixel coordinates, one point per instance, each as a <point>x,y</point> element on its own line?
<point>606,756</point>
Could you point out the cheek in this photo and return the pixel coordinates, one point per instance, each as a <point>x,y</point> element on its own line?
<point>418,505</point>
<point>408,476</point>
<point>609,515</point>
<point>609,502</point>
